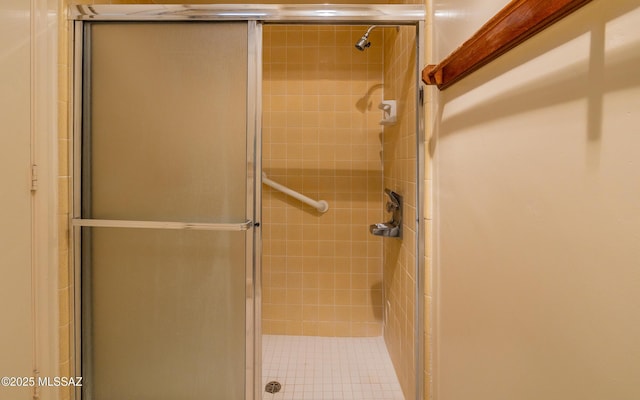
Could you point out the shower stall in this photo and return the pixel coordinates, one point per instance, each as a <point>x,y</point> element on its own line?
<point>183,259</point>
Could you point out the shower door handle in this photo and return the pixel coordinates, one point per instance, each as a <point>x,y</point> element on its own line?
<point>107,223</point>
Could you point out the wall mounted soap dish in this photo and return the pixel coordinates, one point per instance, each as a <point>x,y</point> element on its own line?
<point>389,112</point>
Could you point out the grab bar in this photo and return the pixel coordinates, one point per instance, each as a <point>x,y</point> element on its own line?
<point>320,205</point>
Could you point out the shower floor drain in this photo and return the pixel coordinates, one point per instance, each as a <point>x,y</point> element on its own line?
<point>273,387</point>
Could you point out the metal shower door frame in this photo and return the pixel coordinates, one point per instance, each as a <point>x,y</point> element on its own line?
<point>81,119</point>
<point>255,15</point>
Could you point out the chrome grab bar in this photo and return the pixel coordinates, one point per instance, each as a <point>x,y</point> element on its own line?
<point>107,223</point>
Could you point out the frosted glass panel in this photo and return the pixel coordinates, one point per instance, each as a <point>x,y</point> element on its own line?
<point>165,133</point>
<point>165,139</point>
<point>167,314</point>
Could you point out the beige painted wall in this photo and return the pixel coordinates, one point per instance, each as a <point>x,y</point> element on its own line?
<point>16,334</point>
<point>537,188</point>
<point>455,21</point>
<point>28,271</point>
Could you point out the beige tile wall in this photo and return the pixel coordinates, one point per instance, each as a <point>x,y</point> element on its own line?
<point>322,273</point>
<point>64,281</point>
<point>400,176</point>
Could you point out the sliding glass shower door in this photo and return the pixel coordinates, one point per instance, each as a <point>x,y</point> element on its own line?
<point>165,230</point>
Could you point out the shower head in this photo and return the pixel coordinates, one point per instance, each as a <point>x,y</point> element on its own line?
<point>364,42</point>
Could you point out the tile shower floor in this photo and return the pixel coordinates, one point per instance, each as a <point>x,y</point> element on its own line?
<point>327,368</point>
